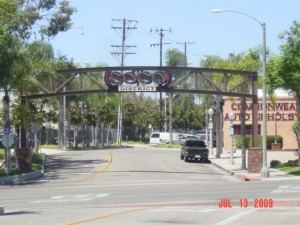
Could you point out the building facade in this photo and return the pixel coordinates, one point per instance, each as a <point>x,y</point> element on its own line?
<point>281,115</point>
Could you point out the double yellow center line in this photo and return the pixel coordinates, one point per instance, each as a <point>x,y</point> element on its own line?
<point>97,173</point>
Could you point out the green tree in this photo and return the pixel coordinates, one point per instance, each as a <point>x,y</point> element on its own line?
<point>18,22</point>
<point>187,114</point>
<point>244,61</point>
<point>13,64</point>
<point>76,119</point>
<point>137,114</point>
<point>108,114</point>
<point>175,58</point>
<point>284,70</point>
<point>21,18</point>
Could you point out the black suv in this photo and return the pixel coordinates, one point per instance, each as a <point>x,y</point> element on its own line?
<point>194,149</point>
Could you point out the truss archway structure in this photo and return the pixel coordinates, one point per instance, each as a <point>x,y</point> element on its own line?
<point>194,80</point>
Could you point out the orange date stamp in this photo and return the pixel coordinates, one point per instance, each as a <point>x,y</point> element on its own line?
<point>245,203</point>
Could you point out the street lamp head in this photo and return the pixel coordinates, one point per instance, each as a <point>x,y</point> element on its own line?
<point>231,116</point>
<point>210,111</point>
<point>218,10</point>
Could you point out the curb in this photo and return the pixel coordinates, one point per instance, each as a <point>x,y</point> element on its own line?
<point>246,178</point>
<point>19,179</point>
<point>241,177</point>
<point>222,168</point>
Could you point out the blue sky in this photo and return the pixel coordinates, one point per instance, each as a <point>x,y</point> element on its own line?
<point>190,21</point>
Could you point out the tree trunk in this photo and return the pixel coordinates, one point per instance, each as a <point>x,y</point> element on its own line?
<point>102,134</point>
<point>71,143</point>
<point>23,128</point>
<point>243,132</point>
<point>170,117</point>
<point>219,128</point>
<point>7,128</point>
<point>61,129</point>
<point>107,135</point>
<point>23,154</point>
<point>75,136</point>
<point>6,101</point>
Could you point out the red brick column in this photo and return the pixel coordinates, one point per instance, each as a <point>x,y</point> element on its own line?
<point>255,157</point>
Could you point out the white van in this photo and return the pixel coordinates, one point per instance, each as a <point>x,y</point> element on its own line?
<point>163,138</point>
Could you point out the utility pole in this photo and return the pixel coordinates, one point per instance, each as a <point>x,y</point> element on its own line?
<point>185,44</point>
<point>126,26</point>
<point>161,33</point>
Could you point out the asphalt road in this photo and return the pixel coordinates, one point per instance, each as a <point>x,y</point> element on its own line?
<point>143,185</point>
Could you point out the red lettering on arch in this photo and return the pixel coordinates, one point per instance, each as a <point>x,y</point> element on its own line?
<point>234,106</point>
<point>279,106</point>
<point>291,116</point>
<point>249,106</point>
<point>292,106</point>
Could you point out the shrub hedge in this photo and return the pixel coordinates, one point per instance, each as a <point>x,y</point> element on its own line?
<point>277,163</point>
<point>270,140</point>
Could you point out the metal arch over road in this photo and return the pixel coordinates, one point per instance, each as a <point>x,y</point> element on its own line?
<point>194,80</point>
<point>183,79</point>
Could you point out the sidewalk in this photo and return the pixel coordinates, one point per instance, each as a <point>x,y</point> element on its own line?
<point>224,163</point>
<point>23,178</point>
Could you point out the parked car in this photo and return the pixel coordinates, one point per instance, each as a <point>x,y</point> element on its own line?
<point>194,149</point>
<point>184,137</point>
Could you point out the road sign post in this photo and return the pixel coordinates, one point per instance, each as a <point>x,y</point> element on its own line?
<point>7,141</point>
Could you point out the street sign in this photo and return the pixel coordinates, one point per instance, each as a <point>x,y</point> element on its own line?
<point>7,140</point>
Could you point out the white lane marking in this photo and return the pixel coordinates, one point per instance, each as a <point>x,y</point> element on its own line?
<point>136,183</point>
<point>149,182</point>
<point>287,189</point>
<point>185,209</point>
<point>235,217</point>
<point>199,177</point>
<point>71,198</point>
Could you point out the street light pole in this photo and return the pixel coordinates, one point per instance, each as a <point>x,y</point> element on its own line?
<point>206,126</point>
<point>210,127</point>
<point>231,132</point>
<point>264,171</point>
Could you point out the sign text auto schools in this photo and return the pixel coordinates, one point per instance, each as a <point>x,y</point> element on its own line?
<point>280,111</point>
<point>143,80</point>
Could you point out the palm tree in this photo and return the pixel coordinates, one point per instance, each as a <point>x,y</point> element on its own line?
<point>247,62</point>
